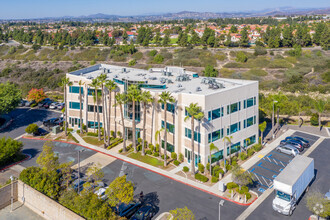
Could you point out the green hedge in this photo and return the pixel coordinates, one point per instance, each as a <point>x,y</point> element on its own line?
<point>148,152</point>
<point>231,185</point>
<point>242,156</point>
<point>248,196</point>
<point>185,169</point>
<point>250,152</point>
<point>214,179</point>
<point>244,189</point>
<point>201,177</point>
<point>92,134</point>
<point>201,167</point>
<point>176,163</point>
<point>115,143</point>
<point>156,154</point>
<point>257,147</point>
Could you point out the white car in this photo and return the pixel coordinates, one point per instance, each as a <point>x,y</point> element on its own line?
<point>101,193</point>
<point>53,105</point>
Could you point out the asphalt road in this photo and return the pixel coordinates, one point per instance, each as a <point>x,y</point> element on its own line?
<point>25,116</point>
<point>321,183</point>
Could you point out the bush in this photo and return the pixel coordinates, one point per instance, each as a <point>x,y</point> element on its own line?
<point>132,62</point>
<point>248,196</point>
<point>159,59</point>
<point>152,147</point>
<point>120,150</point>
<point>119,133</point>
<point>216,171</point>
<point>181,158</point>
<point>32,128</point>
<point>231,185</point>
<point>92,134</point>
<point>201,177</point>
<point>185,169</point>
<point>166,157</point>
<point>208,166</point>
<point>250,152</point>
<point>157,148</point>
<point>152,53</point>
<point>315,119</point>
<point>112,133</point>
<point>228,166</point>
<point>244,189</point>
<point>241,57</point>
<point>148,152</point>
<point>260,51</point>
<point>257,147</point>
<point>242,156</point>
<point>201,167</point>
<point>176,163</point>
<point>174,156</point>
<point>156,154</point>
<point>139,147</point>
<point>214,179</point>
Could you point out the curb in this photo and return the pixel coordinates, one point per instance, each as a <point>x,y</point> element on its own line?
<point>238,203</point>
<point>7,123</point>
<point>28,156</point>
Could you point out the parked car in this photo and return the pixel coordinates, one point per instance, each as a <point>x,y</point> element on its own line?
<point>40,132</point>
<point>60,106</point>
<point>304,141</point>
<point>22,103</point>
<point>53,105</point>
<point>29,103</point>
<point>287,149</point>
<point>101,193</point>
<point>295,140</point>
<point>144,213</point>
<point>293,143</point>
<point>41,103</point>
<point>127,210</point>
<point>81,183</point>
<point>53,122</point>
<point>47,104</point>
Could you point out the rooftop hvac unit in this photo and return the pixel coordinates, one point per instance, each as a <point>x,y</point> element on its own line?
<point>198,89</point>
<point>123,70</point>
<point>179,85</point>
<point>169,81</point>
<point>153,78</point>
<point>115,76</point>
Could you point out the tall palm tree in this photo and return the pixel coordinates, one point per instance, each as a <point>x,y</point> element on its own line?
<point>111,86</point>
<point>262,128</point>
<point>320,107</point>
<point>146,99</point>
<point>164,98</point>
<point>228,139</point>
<point>194,112</point>
<point>101,79</point>
<point>65,82</point>
<point>157,138</point>
<point>133,95</point>
<point>95,85</point>
<point>80,110</point>
<point>212,147</point>
<point>121,100</point>
<point>94,108</point>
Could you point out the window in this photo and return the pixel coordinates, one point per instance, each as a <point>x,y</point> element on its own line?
<point>249,102</point>
<point>75,89</point>
<point>92,123</point>
<point>170,107</point>
<point>249,141</point>
<point>234,128</point>
<point>169,126</point>
<point>234,148</point>
<point>170,147</point>
<point>75,105</point>
<point>91,108</point>
<point>214,114</point>
<point>216,135</point>
<point>91,91</point>
<point>197,135</point>
<point>283,196</point>
<point>233,107</point>
<point>249,122</point>
<point>216,156</point>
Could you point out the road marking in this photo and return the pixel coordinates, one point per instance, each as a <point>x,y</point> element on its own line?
<point>260,156</point>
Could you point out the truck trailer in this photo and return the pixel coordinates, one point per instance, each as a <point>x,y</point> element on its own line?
<point>291,183</point>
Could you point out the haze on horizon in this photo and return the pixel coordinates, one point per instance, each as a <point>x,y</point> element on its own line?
<point>26,9</point>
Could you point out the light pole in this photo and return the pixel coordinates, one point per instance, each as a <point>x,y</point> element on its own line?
<point>221,204</point>
<point>79,169</point>
<point>273,116</point>
<point>12,193</point>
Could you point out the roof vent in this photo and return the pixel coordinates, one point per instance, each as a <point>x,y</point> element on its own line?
<point>179,85</point>
<point>198,89</point>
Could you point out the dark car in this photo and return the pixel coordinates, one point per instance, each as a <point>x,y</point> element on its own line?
<point>53,122</point>
<point>304,141</point>
<point>47,104</point>
<point>293,143</point>
<point>295,140</point>
<point>144,213</point>
<point>127,210</point>
<point>40,132</point>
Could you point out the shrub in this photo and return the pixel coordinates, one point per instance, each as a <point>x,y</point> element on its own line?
<point>148,152</point>
<point>139,147</point>
<point>84,127</point>
<point>242,156</point>
<point>120,150</point>
<point>241,57</point>
<point>315,119</point>
<point>132,62</point>
<point>216,171</point>
<point>214,179</point>
<point>250,152</point>
<point>119,133</point>
<point>201,167</point>
<point>174,156</point>
<point>112,133</point>
<point>248,196</point>
<point>139,140</point>
<point>166,157</point>
<point>201,177</point>
<point>156,154</point>
<point>152,147</point>
<point>257,147</point>
<point>32,128</point>
<point>185,169</point>
<point>157,148</point>
<point>244,189</point>
<point>231,185</point>
<point>176,163</point>
<point>181,158</point>
<point>92,134</point>
<point>78,131</point>
<point>208,166</point>
<point>260,51</point>
<point>158,59</point>
<point>234,162</point>
<point>228,166</point>
<point>152,53</point>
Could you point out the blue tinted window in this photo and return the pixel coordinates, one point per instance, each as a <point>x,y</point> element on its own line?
<point>234,148</point>
<point>216,135</point>
<point>249,141</point>
<point>75,105</point>
<point>75,89</point>
<point>169,127</point>
<point>234,128</point>
<point>169,147</point>
<point>233,107</point>
<point>197,135</point>
<point>170,107</point>
<point>216,156</point>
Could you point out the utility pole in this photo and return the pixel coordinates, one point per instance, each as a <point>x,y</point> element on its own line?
<point>221,204</point>
<point>12,193</point>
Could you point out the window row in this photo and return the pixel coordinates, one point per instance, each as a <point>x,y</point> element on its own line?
<point>197,135</point>
<point>250,102</point>
<point>215,135</point>
<point>233,107</point>
<point>169,127</point>
<point>170,107</point>
<point>234,128</point>
<point>75,89</point>
<point>91,108</point>
<point>75,105</point>
<point>92,124</point>
<point>216,113</point>
<point>169,147</point>
<point>249,141</point>
<point>250,121</point>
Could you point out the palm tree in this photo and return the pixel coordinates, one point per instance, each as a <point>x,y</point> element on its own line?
<point>111,86</point>
<point>157,138</point>
<point>65,82</point>
<point>212,147</point>
<point>225,150</point>
<point>228,139</point>
<point>121,100</point>
<point>164,98</point>
<point>95,85</point>
<point>146,99</point>
<point>101,79</point>
<point>262,128</point>
<point>94,107</point>
<point>194,112</point>
<point>320,107</point>
<point>80,110</point>
<point>133,95</point>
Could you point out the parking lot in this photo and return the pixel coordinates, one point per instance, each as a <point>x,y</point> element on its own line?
<point>266,170</point>
<point>321,183</point>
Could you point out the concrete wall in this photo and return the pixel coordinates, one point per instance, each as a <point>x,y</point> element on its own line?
<point>5,195</point>
<point>43,205</point>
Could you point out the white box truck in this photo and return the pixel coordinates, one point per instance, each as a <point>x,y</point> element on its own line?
<point>291,183</point>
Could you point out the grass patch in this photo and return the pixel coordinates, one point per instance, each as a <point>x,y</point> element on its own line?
<point>146,159</point>
<point>227,73</point>
<point>93,141</point>
<point>279,63</point>
<point>254,74</point>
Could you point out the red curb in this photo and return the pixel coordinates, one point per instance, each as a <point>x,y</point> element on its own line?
<point>238,203</point>
<point>11,165</point>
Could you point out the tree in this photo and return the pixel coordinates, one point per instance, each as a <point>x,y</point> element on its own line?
<point>241,57</point>
<point>31,128</point>
<point>157,138</point>
<point>325,39</point>
<point>182,214</point>
<point>120,191</point>
<point>64,83</point>
<point>240,177</point>
<point>133,95</point>
<point>318,33</point>
<point>244,41</point>
<point>157,39</point>
<point>233,29</point>
<point>111,86</point>
<point>9,150</point>
<point>101,80</point>
<point>320,107</point>
<point>194,40</point>
<point>121,99</point>
<point>212,147</point>
<point>210,71</point>
<point>194,112</point>
<point>95,173</point>
<point>262,128</point>
<point>287,37</point>
<point>146,99</point>
<point>228,139</point>
<point>166,39</point>
<point>159,59</point>
<point>95,85</point>
<point>164,99</point>
<point>66,172</point>
<point>317,204</point>
<point>10,96</point>
<point>36,95</point>
<point>228,40</point>
<point>47,159</point>
<point>80,104</point>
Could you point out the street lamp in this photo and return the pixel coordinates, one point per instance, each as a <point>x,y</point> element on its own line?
<point>12,193</point>
<point>273,116</point>
<point>79,169</point>
<point>221,204</point>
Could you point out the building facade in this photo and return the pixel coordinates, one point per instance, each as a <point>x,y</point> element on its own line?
<point>230,108</point>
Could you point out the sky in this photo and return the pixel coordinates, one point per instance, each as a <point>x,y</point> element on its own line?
<point>20,9</point>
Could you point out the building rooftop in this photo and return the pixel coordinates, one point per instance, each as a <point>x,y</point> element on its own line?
<point>170,78</point>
